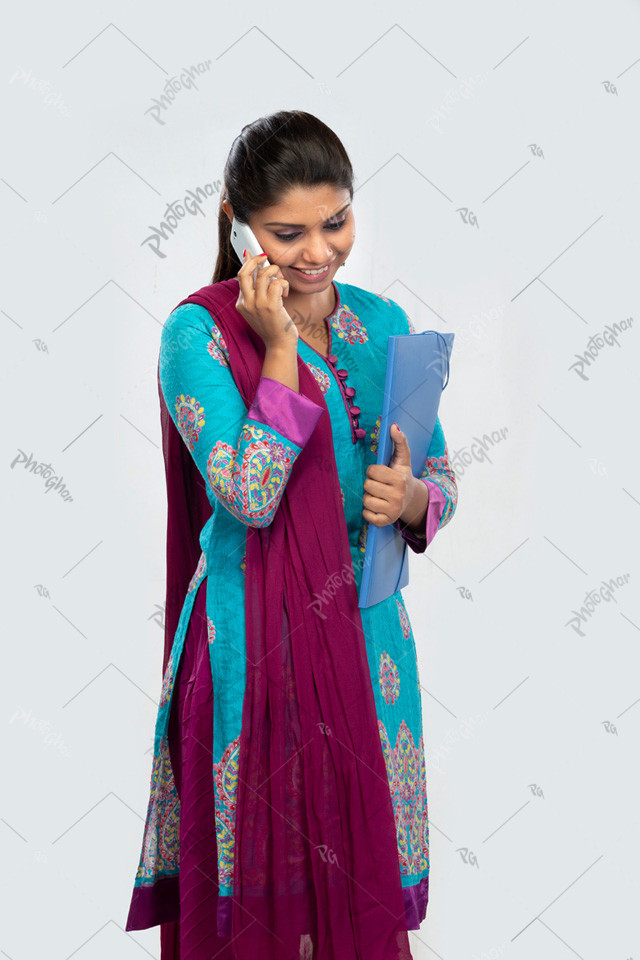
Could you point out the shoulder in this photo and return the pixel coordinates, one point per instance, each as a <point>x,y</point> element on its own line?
<point>190,334</point>
<point>376,309</point>
<point>218,298</point>
<point>187,315</point>
<point>185,332</point>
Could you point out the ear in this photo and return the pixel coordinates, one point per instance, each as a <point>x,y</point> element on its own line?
<point>228,209</point>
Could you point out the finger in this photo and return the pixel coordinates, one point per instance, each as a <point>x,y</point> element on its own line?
<point>375,504</point>
<point>246,294</point>
<point>272,296</point>
<point>249,263</point>
<point>377,519</point>
<point>278,287</point>
<point>380,472</point>
<point>245,273</point>
<point>263,280</point>
<point>245,279</point>
<point>401,451</point>
<point>378,488</point>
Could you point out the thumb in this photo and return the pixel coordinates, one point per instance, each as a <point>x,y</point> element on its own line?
<point>401,456</point>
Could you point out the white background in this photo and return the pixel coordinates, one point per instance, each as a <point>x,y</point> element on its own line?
<point>524,252</point>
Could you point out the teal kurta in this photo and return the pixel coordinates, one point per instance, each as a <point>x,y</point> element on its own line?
<point>245,462</point>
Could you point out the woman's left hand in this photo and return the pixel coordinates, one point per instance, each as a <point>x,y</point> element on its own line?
<point>390,492</point>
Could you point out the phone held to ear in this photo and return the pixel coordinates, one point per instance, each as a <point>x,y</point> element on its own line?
<point>243,238</point>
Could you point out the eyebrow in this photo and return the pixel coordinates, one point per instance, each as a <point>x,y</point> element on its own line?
<point>281,223</point>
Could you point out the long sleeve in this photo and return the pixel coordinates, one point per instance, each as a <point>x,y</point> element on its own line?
<point>437,474</point>
<point>245,456</point>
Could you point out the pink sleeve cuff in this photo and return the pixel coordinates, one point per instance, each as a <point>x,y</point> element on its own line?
<point>290,413</point>
<point>420,540</point>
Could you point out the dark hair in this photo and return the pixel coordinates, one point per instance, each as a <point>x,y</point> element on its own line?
<point>286,149</point>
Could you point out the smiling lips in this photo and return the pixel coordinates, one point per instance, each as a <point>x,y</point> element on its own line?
<point>313,272</point>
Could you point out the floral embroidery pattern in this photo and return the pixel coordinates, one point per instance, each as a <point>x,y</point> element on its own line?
<point>362,538</point>
<point>342,495</point>
<point>412,329</point>
<point>243,563</point>
<point>250,481</point>
<point>266,462</point>
<point>348,327</point>
<point>321,377</point>
<point>389,678</point>
<point>404,620</point>
<point>189,418</point>
<point>408,785</point>
<point>200,570</point>
<point>293,816</point>
<point>161,843</point>
<point>225,781</point>
<point>375,434</point>
<point>167,681</point>
<point>211,630</point>
<point>439,470</point>
<point>217,347</point>
<point>220,471</point>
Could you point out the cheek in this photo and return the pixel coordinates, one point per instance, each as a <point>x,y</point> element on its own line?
<point>345,242</point>
<point>277,256</point>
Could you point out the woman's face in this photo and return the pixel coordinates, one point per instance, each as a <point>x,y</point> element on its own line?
<point>311,228</point>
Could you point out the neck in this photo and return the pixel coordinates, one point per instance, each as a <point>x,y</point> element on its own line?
<point>310,309</point>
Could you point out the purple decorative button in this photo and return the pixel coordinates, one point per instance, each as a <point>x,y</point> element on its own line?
<point>355,411</point>
<point>350,392</point>
<point>343,374</point>
<point>360,433</point>
<point>332,358</point>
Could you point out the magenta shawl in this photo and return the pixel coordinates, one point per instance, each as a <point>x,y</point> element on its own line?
<point>315,837</point>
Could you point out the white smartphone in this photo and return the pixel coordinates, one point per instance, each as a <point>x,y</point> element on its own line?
<point>243,238</point>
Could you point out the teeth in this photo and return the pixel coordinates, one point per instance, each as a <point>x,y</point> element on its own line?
<point>313,272</point>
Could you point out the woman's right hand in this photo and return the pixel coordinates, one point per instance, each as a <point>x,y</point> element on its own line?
<point>261,304</point>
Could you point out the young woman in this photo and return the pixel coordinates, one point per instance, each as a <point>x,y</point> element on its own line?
<point>287,814</point>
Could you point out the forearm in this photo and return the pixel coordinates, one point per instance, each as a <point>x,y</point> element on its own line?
<point>281,363</point>
<point>245,456</point>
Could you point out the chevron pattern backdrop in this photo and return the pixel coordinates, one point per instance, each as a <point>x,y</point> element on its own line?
<point>496,151</point>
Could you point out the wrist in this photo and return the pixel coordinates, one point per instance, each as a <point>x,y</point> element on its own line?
<point>283,347</point>
<point>415,514</point>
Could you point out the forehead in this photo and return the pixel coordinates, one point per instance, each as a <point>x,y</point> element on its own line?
<point>307,204</point>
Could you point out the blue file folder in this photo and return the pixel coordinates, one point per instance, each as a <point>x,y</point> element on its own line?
<point>417,373</point>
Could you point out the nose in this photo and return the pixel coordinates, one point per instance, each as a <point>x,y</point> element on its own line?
<point>316,250</point>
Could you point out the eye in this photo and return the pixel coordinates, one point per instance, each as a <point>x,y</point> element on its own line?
<point>332,225</point>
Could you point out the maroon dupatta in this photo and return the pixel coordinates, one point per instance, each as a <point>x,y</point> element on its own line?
<point>315,846</point>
